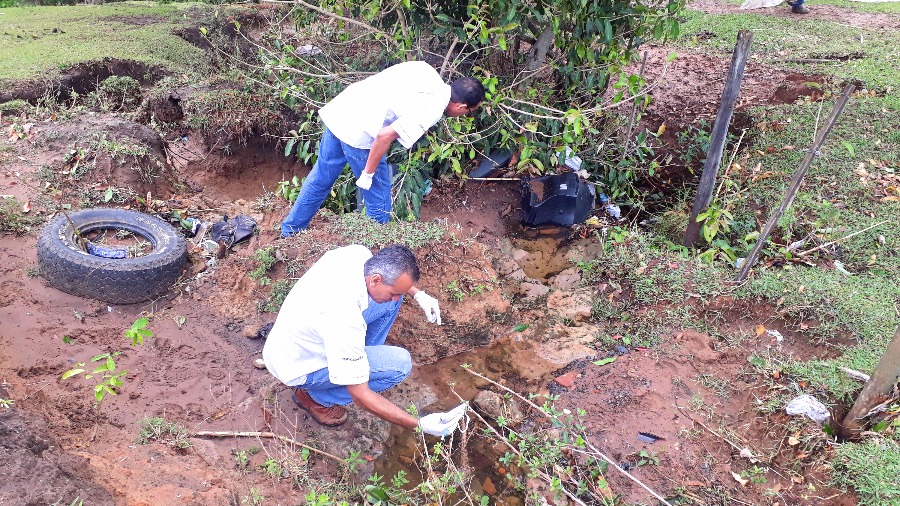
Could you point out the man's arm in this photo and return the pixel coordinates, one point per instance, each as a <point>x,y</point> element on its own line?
<point>374,403</point>
<point>380,146</point>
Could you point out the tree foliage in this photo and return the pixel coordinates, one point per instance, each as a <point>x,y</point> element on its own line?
<point>553,71</point>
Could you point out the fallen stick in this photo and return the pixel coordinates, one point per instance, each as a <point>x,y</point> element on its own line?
<point>271,435</point>
<point>595,449</point>
<point>802,253</point>
<point>861,376</point>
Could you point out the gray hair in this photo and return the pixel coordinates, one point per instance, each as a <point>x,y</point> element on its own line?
<point>392,262</point>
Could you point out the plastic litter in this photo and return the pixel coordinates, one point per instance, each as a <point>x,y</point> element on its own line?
<point>561,200</point>
<point>809,406</point>
<point>492,165</point>
<point>195,225</point>
<point>230,232</point>
<point>99,250</point>
<point>611,209</point>
<point>648,437</point>
<point>571,160</point>
<point>621,350</point>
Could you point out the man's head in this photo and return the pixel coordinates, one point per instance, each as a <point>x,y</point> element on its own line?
<point>466,93</point>
<point>390,273</point>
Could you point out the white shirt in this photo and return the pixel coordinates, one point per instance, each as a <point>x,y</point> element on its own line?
<point>411,97</point>
<point>320,323</point>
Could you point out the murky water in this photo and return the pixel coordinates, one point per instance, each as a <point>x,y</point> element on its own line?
<point>511,361</point>
<point>546,249</point>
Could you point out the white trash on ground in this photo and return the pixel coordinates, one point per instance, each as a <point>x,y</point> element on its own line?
<point>809,406</point>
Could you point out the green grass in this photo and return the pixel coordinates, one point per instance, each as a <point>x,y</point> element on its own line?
<point>810,38</point>
<point>34,40</point>
<point>872,468</point>
<point>360,229</point>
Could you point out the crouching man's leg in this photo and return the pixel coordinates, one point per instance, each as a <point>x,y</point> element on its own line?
<point>388,366</point>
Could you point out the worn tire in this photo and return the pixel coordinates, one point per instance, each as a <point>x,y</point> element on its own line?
<point>67,267</point>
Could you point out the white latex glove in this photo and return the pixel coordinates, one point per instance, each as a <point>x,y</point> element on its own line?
<point>443,424</point>
<point>430,305</point>
<point>365,180</point>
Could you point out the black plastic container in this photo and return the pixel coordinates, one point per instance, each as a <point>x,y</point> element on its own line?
<point>558,200</point>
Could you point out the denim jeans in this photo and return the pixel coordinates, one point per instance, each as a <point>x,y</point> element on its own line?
<point>796,3</point>
<point>334,155</point>
<point>388,365</point>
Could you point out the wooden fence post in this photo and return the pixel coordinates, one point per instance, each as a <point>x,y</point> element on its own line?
<point>719,134</point>
<point>877,390</point>
<point>796,181</point>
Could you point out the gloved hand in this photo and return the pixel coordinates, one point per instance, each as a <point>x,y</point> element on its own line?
<point>430,305</point>
<point>365,180</point>
<point>443,424</point>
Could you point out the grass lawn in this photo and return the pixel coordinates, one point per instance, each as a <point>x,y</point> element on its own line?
<point>35,40</point>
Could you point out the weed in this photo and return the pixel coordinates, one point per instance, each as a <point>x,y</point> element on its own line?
<point>242,457</point>
<point>253,498</point>
<point>646,457</point>
<point>105,372</point>
<point>138,331</point>
<point>280,290</point>
<point>265,202</point>
<point>289,190</point>
<point>755,474</point>
<point>272,468</point>
<point>12,219</point>
<point>167,433</point>
<point>358,228</point>
<point>721,386</point>
<point>266,256</point>
<point>33,271</point>
<point>6,403</point>
<point>118,93</point>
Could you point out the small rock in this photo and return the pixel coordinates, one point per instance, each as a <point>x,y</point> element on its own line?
<point>250,332</point>
<point>567,379</point>
<point>495,406</point>
<point>517,275</point>
<point>567,279</point>
<point>621,350</point>
<point>488,487</point>
<point>532,290</point>
<point>519,255</point>
<point>259,363</point>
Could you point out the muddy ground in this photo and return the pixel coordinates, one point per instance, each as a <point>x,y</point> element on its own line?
<point>197,368</point>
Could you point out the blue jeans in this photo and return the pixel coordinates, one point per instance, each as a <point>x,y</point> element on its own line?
<point>796,3</point>
<point>334,155</point>
<point>388,365</point>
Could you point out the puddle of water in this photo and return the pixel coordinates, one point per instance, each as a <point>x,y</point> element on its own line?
<point>546,249</point>
<point>509,362</point>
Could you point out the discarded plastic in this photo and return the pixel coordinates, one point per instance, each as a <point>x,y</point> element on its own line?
<point>648,437</point>
<point>809,406</point>
<point>571,160</point>
<point>99,250</point>
<point>610,208</point>
<point>621,350</point>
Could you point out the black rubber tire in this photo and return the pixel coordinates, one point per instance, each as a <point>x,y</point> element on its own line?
<point>67,267</point>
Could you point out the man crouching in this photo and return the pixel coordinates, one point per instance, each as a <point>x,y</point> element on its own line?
<point>328,339</point>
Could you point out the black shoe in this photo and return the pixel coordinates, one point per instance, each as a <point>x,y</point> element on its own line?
<point>799,9</point>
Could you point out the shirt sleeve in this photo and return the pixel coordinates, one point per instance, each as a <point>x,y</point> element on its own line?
<point>345,348</point>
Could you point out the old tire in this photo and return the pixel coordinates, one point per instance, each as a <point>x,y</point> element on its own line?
<point>69,268</point>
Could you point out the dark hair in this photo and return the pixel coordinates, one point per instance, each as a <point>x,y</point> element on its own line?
<point>391,263</point>
<point>467,90</point>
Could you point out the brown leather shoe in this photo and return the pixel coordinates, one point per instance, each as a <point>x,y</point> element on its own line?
<point>329,417</point>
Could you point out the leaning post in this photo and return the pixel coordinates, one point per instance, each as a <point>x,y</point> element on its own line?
<point>878,390</point>
<point>796,181</point>
<point>719,134</point>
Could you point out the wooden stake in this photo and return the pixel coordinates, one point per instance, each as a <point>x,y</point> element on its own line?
<point>877,390</point>
<point>796,181</point>
<point>719,134</point>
